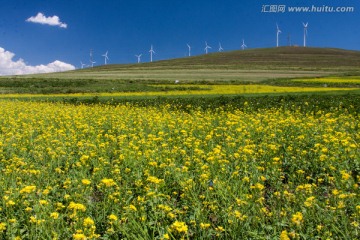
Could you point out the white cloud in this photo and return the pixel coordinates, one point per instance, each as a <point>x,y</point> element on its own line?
<point>10,67</point>
<point>42,19</point>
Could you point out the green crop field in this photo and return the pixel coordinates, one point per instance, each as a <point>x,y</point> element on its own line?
<point>255,144</point>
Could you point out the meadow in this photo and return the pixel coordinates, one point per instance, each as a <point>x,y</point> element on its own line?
<point>230,154</point>
<point>157,172</point>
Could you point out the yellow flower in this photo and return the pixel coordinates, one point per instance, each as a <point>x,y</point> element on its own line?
<point>77,206</point>
<point>54,215</point>
<point>345,175</point>
<point>79,236</point>
<point>220,229</point>
<point>43,202</point>
<point>204,225</point>
<point>284,235</point>
<point>10,203</point>
<point>108,182</point>
<point>88,222</point>
<point>179,227</point>
<point>2,226</point>
<point>239,216</point>
<point>28,189</point>
<point>86,181</point>
<point>166,236</point>
<point>309,201</point>
<point>358,208</point>
<point>297,218</point>
<point>113,217</point>
<point>28,209</point>
<point>153,179</point>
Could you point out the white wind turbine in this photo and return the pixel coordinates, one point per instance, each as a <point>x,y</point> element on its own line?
<point>151,53</point>
<point>189,49</point>
<point>106,57</point>
<point>220,48</point>
<point>243,46</point>
<point>278,31</point>
<point>207,47</point>
<point>305,32</point>
<point>92,63</point>
<point>138,58</point>
<point>82,64</point>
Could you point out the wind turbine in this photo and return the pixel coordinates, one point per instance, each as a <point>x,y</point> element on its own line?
<point>206,47</point>
<point>243,46</point>
<point>151,53</point>
<point>189,49</point>
<point>220,48</point>
<point>305,32</point>
<point>278,31</point>
<point>106,57</point>
<point>82,64</point>
<point>138,57</point>
<point>91,58</point>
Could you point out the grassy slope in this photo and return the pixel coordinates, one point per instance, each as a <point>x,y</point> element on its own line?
<point>253,65</point>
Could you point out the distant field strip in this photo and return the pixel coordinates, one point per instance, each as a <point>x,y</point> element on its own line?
<point>342,80</point>
<point>186,75</point>
<point>201,90</point>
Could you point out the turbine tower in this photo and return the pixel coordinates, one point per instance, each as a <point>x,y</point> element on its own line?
<point>151,53</point>
<point>106,57</point>
<point>278,31</point>
<point>189,49</point>
<point>220,48</point>
<point>138,58</point>
<point>305,32</point>
<point>207,47</point>
<point>91,58</point>
<point>243,46</point>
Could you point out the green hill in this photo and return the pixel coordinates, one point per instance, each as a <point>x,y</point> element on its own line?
<point>265,58</point>
<point>253,65</point>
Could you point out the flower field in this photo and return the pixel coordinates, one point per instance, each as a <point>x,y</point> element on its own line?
<point>191,89</point>
<point>331,80</point>
<point>157,172</point>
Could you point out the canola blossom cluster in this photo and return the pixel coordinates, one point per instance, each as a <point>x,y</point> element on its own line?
<point>116,172</point>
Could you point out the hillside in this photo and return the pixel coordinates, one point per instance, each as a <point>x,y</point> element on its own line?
<point>254,65</point>
<point>265,58</point>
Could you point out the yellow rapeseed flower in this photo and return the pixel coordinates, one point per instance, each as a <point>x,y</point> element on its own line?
<point>179,227</point>
<point>297,218</point>
<point>113,217</point>
<point>77,206</point>
<point>28,189</point>
<point>284,235</point>
<point>205,225</point>
<point>54,215</point>
<point>153,179</point>
<point>79,236</point>
<point>108,182</point>
<point>88,222</point>
<point>86,181</point>
<point>2,226</point>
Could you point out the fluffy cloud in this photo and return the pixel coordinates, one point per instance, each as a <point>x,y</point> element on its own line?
<point>42,19</point>
<point>10,67</point>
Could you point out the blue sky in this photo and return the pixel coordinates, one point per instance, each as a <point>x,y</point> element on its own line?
<point>125,28</point>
